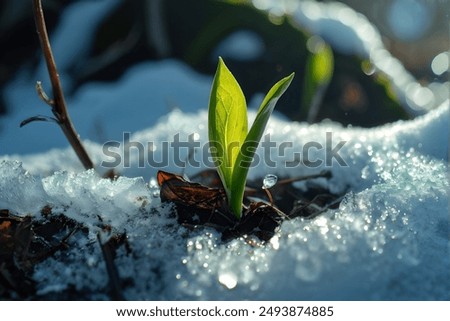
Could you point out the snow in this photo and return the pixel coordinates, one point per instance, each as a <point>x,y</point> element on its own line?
<point>352,33</point>
<point>389,238</point>
<point>240,45</point>
<point>137,100</point>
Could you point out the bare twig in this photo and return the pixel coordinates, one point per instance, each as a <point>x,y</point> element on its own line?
<point>108,252</point>
<point>326,174</point>
<point>58,103</point>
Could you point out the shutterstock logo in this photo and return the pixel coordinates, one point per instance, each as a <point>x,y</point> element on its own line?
<point>192,153</point>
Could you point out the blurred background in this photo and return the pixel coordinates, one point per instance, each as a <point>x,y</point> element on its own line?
<point>261,40</point>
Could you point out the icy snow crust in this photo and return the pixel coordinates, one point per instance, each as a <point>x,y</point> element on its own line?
<point>387,240</point>
<point>352,33</point>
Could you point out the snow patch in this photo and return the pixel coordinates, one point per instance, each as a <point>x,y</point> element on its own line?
<point>387,240</point>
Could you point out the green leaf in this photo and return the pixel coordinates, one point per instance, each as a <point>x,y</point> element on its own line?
<point>322,65</point>
<point>227,124</point>
<point>318,73</point>
<point>251,142</point>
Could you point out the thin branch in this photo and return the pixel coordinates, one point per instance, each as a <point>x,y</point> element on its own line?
<point>58,103</point>
<point>325,173</point>
<point>108,252</point>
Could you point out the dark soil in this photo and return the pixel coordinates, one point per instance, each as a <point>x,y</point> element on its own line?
<point>205,204</point>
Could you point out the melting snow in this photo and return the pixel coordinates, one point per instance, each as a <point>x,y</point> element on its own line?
<point>389,239</point>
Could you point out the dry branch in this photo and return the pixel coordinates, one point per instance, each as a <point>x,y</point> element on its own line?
<point>58,104</point>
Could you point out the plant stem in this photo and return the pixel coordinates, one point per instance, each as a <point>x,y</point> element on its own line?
<point>269,195</point>
<point>58,103</point>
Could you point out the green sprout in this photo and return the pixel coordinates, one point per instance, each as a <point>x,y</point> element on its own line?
<point>232,145</point>
<point>318,73</point>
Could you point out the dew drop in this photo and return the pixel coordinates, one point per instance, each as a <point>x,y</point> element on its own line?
<point>198,245</point>
<point>269,181</point>
<point>153,183</point>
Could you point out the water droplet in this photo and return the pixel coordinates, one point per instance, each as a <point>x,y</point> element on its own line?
<point>228,280</point>
<point>153,183</point>
<point>198,245</point>
<point>368,68</point>
<point>269,181</point>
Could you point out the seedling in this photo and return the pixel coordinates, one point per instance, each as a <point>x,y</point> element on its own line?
<point>232,145</point>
